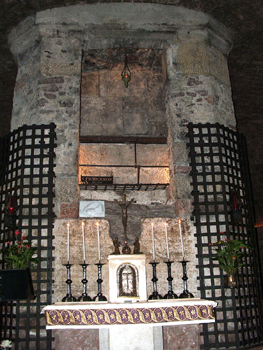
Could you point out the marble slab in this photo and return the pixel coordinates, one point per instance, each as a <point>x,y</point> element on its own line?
<point>136,262</point>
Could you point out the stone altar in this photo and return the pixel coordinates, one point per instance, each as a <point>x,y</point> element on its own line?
<point>119,322</point>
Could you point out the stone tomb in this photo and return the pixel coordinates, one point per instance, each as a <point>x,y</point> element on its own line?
<point>49,48</point>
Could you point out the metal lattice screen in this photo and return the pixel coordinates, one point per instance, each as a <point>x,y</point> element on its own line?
<point>27,171</point>
<point>219,167</point>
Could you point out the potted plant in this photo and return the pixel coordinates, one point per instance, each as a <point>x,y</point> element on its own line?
<point>15,280</point>
<point>230,254</point>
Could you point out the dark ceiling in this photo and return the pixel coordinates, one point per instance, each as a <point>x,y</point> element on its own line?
<point>244,18</point>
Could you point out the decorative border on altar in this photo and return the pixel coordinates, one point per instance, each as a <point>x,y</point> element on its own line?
<point>150,315</point>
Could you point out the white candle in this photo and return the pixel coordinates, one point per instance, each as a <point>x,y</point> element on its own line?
<point>182,242</point>
<point>83,236</point>
<point>68,224</point>
<point>167,243</point>
<point>153,242</point>
<point>98,232</point>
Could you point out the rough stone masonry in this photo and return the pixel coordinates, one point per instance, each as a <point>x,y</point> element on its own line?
<point>193,82</point>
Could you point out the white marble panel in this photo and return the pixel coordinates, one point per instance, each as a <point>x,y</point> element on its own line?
<point>136,260</point>
<point>129,338</point>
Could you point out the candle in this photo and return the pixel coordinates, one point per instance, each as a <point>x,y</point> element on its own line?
<point>167,243</point>
<point>83,236</point>
<point>98,232</point>
<point>182,242</point>
<point>153,242</point>
<point>68,224</point>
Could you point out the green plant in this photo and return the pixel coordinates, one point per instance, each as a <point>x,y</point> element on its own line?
<point>230,254</point>
<point>20,254</point>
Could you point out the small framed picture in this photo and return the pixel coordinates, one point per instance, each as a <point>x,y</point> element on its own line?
<point>91,209</point>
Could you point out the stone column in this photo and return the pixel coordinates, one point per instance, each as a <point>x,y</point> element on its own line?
<point>198,91</point>
<point>48,90</point>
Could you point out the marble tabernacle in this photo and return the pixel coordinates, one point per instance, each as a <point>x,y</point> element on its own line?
<point>127,276</point>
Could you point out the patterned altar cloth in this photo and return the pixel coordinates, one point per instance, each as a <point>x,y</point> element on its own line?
<point>90,315</point>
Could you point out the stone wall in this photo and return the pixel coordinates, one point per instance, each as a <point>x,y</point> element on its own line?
<point>49,50</point>
<point>108,108</point>
<point>122,161</point>
<point>246,76</point>
<point>107,248</point>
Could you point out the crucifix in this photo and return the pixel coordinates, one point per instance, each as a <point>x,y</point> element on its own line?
<point>124,206</point>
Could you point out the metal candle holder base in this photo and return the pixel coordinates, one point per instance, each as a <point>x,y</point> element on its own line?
<point>99,296</point>
<point>69,297</point>
<point>170,294</point>
<point>155,295</point>
<point>185,293</point>
<point>85,296</point>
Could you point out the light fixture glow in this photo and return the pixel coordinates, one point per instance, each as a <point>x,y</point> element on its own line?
<point>126,73</point>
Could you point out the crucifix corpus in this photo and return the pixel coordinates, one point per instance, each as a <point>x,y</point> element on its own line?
<point>124,204</point>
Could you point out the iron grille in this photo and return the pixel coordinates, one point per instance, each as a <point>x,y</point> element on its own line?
<point>219,167</point>
<point>27,171</point>
<point>124,187</point>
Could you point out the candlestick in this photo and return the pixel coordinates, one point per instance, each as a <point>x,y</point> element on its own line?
<point>83,236</point>
<point>167,243</point>
<point>68,224</point>
<point>84,296</point>
<point>99,296</point>
<point>170,294</point>
<point>155,295</point>
<point>185,293</point>
<point>69,297</point>
<point>182,242</point>
<point>98,232</point>
<point>153,242</point>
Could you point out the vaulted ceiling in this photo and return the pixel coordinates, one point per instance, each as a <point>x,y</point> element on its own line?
<point>244,18</point>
